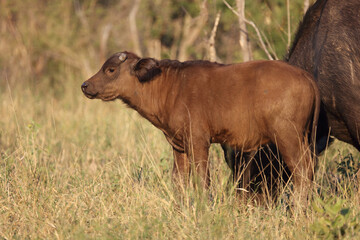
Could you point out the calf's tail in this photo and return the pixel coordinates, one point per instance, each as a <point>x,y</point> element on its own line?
<point>316,113</point>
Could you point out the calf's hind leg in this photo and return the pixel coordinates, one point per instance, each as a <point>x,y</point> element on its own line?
<point>297,157</point>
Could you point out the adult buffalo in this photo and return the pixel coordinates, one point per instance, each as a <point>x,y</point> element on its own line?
<point>327,46</point>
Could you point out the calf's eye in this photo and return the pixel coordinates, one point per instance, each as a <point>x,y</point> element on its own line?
<point>111,70</point>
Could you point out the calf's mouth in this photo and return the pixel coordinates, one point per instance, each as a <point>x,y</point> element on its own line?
<point>91,95</point>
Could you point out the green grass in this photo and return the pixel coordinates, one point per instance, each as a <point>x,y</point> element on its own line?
<point>72,168</point>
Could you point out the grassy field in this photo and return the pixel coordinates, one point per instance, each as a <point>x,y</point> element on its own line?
<point>72,168</point>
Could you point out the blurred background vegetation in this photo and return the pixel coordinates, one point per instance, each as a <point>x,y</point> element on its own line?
<point>42,41</point>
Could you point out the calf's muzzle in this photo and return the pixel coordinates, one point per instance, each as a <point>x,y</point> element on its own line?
<point>84,86</point>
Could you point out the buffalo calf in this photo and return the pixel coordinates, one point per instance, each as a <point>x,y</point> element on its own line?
<point>196,103</point>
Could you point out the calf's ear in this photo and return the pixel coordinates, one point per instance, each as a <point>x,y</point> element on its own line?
<point>146,69</point>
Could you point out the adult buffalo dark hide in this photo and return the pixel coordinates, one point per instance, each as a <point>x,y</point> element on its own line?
<point>327,46</point>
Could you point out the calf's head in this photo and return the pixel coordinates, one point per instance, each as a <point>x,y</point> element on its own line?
<point>120,76</point>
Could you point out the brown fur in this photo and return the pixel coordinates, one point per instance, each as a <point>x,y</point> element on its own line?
<point>197,103</point>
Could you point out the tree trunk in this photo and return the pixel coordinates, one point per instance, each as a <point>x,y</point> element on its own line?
<point>191,30</point>
<point>133,27</point>
<point>154,48</point>
<point>244,38</point>
<point>306,5</point>
<point>212,50</point>
<point>105,34</point>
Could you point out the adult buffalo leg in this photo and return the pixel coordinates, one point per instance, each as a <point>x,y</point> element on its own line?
<point>234,160</point>
<point>259,171</point>
<point>240,164</point>
<point>268,172</point>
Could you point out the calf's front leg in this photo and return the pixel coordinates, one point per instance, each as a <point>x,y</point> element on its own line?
<point>199,155</point>
<point>182,165</point>
<point>181,169</point>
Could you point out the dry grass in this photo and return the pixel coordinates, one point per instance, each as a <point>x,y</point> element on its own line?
<point>72,168</point>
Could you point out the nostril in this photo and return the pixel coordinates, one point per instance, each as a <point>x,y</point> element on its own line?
<point>84,86</point>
